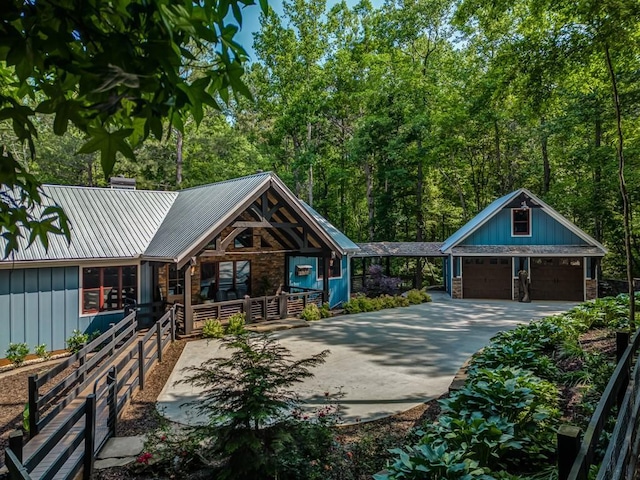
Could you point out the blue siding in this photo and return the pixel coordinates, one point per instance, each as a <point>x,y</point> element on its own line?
<point>338,287</point>
<point>544,231</point>
<point>41,305</point>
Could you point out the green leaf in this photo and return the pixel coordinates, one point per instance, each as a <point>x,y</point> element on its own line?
<point>109,144</point>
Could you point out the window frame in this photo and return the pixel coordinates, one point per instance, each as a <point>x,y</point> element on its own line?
<point>101,289</point>
<point>513,222</point>
<point>320,273</point>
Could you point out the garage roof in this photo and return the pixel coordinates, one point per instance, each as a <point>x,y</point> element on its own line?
<point>528,250</point>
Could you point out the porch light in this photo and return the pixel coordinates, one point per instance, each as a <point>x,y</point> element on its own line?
<point>524,205</point>
<point>193,262</point>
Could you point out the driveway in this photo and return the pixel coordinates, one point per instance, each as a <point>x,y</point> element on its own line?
<point>381,363</point>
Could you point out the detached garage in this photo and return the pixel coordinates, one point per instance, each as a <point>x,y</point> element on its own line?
<point>520,235</point>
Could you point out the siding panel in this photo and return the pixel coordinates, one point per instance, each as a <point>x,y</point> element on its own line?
<point>17,306</point>
<point>72,301</point>
<point>338,287</point>
<point>58,308</point>
<point>5,310</point>
<point>31,304</point>
<point>45,327</point>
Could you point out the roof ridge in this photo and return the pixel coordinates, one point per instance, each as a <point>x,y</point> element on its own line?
<point>108,189</point>
<point>229,180</point>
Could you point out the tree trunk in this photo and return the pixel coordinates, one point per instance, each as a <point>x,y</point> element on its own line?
<point>419,218</point>
<point>369,179</point>
<point>178,157</point>
<point>623,190</point>
<point>310,186</point>
<point>545,157</point>
<point>597,180</point>
<point>496,131</point>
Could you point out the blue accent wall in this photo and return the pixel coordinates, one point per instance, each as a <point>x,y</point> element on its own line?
<point>338,287</point>
<point>42,305</point>
<point>545,230</point>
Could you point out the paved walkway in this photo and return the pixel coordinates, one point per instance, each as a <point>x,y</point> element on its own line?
<point>382,362</point>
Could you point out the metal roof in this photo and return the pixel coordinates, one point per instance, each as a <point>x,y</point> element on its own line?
<point>400,249</point>
<point>488,212</point>
<point>104,223</point>
<point>529,250</point>
<point>494,207</point>
<point>340,238</point>
<point>197,211</point>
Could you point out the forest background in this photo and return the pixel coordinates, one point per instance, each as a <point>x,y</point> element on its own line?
<point>400,123</point>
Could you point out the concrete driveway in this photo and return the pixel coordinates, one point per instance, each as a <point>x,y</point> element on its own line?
<point>382,362</point>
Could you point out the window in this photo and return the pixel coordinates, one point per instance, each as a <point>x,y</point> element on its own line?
<point>108,288</point>
<point>175,279</point>
<point>222,281</point>
<point>521,222</point>
<point>335,268</point>
<point>244,239</point>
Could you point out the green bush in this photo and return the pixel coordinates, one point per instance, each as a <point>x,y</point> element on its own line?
<point>17,352</point>
<point>42,352</point>
<point>212,329</point>
<point>360,303</point>
<point>416,296</point>
<point>325,311</point>
<point>76,341</point>
<point>311,313</point>
<point>236,324</point>
<point>517,354</point>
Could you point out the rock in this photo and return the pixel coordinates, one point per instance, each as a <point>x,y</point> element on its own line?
<point>122,447</point>
<point>113,462</point>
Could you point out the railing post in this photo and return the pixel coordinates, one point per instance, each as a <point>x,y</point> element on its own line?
<point>112,327</point>
<point>141,364</point>
<point>172,319</point>
<point>89,436</point>
<point>284,303</point>
<point>112,401</point>
<point>622,342</point>
<point>159,340</point>
<point>569,438</point>
<point>81,361</point>
<point>304,299</point>
<point>16,442</point>
<point>34,417</point>
<point>247,309</point>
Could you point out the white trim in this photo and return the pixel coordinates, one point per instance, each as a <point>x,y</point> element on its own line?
<point>107,312</point>
<point>330,277</point>
<point>517,235</point>
<point>528,255</point>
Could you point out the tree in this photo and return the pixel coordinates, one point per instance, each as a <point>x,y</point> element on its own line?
<point>113,71</point>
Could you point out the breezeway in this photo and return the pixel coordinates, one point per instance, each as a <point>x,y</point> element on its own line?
<point>381,363</point>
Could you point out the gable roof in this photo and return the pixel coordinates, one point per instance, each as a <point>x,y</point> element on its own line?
<point>497,205</point>
<point>116,223</point>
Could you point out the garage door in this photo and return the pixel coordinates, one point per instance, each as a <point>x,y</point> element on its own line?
<point>557,279</point>
<point>486,277</point>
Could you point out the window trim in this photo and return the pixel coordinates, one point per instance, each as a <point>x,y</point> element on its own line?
<point>81,313</point>
<point>319,274</point>
<point>513,233</point>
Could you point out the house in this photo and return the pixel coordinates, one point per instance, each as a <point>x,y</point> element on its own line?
<point>521,232</point>
<point>219,249</point>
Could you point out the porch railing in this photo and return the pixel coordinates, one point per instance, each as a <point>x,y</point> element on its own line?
<point>273,307</point>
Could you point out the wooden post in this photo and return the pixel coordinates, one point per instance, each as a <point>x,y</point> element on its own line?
<point>283,305</point>
<point>188,308</point>
<point>34,417</point>
<point>112,381</point>
<point>247,309</point>
<point>141,364</point>
<point>159,340</point>
<point>89,436</point>
<point>569,438</point>
<point>172,319</point>
<point>325,278</point>
<point>622,342</point>
<point>16,442</point>
<point>81,361</point>
<point>112,327</point>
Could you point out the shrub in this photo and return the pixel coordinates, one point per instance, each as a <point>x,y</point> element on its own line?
<point>76,341</point>
<point>311,312</point>
<point>42,352</point>
<point>325,311</point>
<point>17,352</point>
<point>248,400</point>
<point>212,329</point>
<point>236,324</point>
<point>416,296</point>
<point>379,284</point>
<point>517,354</point>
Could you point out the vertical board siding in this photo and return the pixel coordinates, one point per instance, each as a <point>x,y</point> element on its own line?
<point>338,287</point>
<point>41,305</point>
<point>545,230</point>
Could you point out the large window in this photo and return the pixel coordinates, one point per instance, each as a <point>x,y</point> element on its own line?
<point>108,288</point>
<point>521,222</point>
<point>175,279</point>
<point>335,268</point>
<point>222,281</point>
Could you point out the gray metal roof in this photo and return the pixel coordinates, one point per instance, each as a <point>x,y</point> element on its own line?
<point>196,211</point>
<point>400,249</point>
<point>104,222</point>
<point>340,238</point>
<point>529,250</point>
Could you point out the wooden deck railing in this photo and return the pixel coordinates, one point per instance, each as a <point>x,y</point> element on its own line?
<point>576,456</point>
<point>287,304</point>
<point>99,391</point>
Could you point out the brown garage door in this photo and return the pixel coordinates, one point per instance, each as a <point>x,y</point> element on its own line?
<point>486,277</point>
<point>557,279</point>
